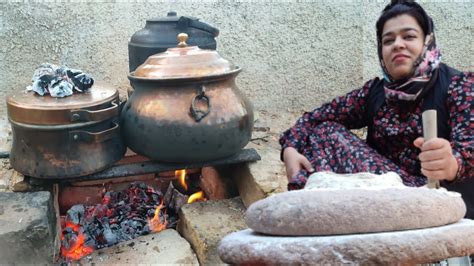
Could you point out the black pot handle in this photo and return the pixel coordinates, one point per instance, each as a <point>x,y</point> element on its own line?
<point>97,137</point>
<point>185,22</point>
<point>198,114</point>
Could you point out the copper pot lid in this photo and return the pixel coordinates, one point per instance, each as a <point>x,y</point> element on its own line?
<point>97,104</point>
<point>184,62</point>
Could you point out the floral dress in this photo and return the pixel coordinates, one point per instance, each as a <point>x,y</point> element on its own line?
<point>324,138</point>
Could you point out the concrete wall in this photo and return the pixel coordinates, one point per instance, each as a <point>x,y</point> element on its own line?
<point>295,54</point>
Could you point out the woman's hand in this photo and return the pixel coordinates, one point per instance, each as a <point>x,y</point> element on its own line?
<point>437,159</point>
<point>294,162</point>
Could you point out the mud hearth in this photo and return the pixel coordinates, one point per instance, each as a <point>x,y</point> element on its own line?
<point>100,213</point>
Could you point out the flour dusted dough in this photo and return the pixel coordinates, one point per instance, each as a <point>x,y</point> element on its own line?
<point>358,180</point>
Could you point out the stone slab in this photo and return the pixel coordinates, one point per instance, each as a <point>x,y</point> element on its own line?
<point>3,185</point>
<point>391,248</point>
<point>5,137</point>
<point>27,228</point>
<point>357,210</point>
<point>204,224</point>
<point>165,247</point>
<point>266,177</point>
<point>11,177</point>
<point>258,180</point>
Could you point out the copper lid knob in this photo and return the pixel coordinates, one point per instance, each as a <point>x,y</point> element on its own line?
<point>182,38</point>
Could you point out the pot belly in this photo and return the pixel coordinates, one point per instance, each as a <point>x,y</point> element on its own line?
<point>44,153</point>
<point>172,141</point>
<point>163,129</point>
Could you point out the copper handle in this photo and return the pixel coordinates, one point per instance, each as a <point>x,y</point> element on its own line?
<point>94,115</point>
<point>196,113</point>
<point>96,137</point>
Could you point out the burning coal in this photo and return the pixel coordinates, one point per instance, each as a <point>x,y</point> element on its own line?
<point>122,216</point>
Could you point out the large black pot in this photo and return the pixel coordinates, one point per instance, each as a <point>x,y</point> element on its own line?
<point>159,34</point>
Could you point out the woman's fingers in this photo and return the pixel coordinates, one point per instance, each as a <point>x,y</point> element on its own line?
<point>291,169</point>
<point>433,155</point>
<point>294,162</point>
<point>435,144</point>
<point>437,159</point>
<point>435,149</point>
<point>434,165</point>
<point>290,157</point>
<point>306,164</point>
<point>440,174</point>
<point>419,142</point>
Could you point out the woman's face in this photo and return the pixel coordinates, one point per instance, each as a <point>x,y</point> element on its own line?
<point>402,44</point>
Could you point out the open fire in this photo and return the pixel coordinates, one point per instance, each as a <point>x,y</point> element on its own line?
<point>196,196</point>
<point>121,216</point>
<point>158,222</point>
<point>124,215</point>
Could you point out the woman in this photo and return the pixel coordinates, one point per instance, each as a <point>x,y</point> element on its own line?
<point>414,80</point>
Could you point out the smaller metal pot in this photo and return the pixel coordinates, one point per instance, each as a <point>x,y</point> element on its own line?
<point>67,137</point>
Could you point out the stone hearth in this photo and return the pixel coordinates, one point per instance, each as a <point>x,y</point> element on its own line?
<point>202,225</point>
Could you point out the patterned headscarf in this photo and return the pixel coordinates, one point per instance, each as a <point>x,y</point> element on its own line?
<point>424,75</point>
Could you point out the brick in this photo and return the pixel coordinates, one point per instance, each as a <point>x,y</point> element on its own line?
<point>217,184</point>
<point>92,194</point>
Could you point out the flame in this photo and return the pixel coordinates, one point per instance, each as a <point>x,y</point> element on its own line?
<point>155,223</point>
<point>78,249</point>
<point>181,175</point>
<point>198,196</point>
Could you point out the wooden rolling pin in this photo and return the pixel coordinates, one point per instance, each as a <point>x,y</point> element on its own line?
<point>430,130</point>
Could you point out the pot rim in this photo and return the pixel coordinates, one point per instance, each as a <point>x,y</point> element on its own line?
<point>235,71</point>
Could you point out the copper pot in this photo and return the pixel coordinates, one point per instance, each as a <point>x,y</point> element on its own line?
<point>66,137</point>
<point>186,107</point>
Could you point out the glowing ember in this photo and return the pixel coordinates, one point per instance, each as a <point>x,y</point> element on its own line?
<point>181,175</point>
<point>155,224</point>
<point>77,249</point>
<point>122,215</point>
<point>198,196</point>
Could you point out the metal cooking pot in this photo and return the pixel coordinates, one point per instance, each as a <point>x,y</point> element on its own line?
<point>65,137</point>
<point>186,107</point>
<point>160,33</point>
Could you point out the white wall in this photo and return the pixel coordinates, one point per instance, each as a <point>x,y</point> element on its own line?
<point>295,54</point>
